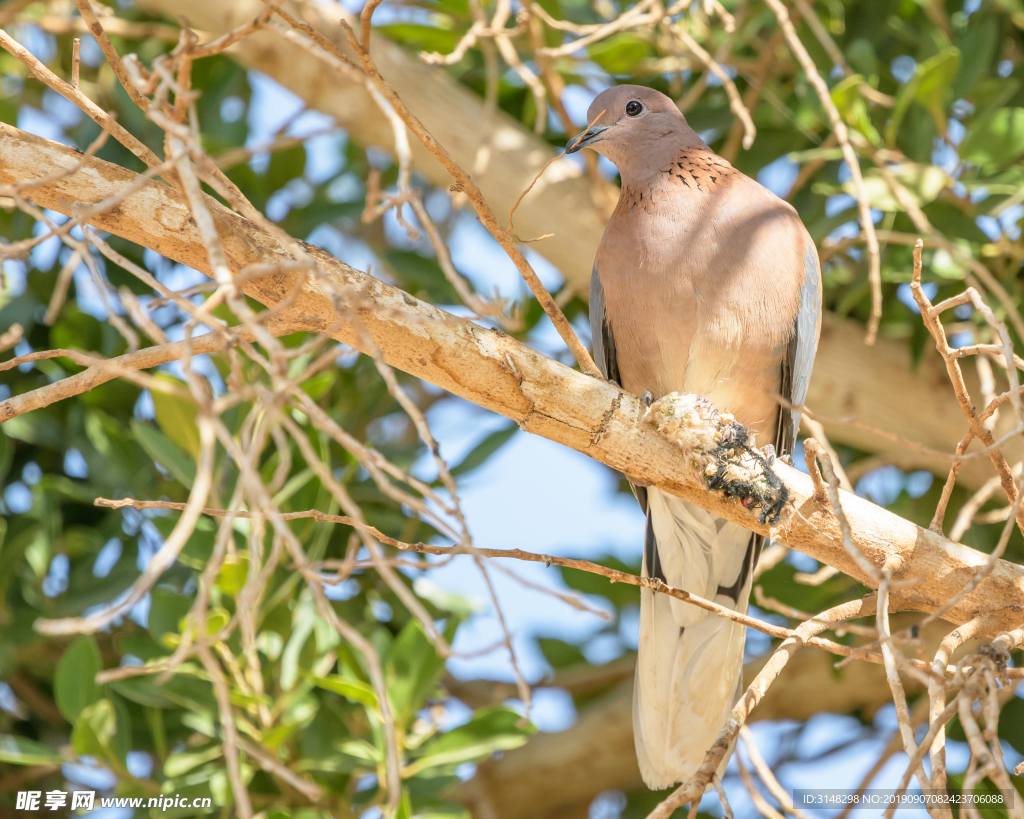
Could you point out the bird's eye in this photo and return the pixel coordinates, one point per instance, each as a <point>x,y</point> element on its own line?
<point>634,108</point>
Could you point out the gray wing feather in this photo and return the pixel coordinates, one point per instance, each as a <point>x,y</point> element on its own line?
<point>796,371</point>
<point>604,356</point>
<point>600,331</point>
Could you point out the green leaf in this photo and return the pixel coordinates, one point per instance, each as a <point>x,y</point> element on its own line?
<point>936,75</point>
<point>20,751</point>
<point>320,383</point>
<point>42,432</point>
<point>560,653</point>
<point>997,138</point>
<point>199,546</point>
<point>619,53</point>
<point>353,690</point>
<point>861,55</point>
<point>994,92</point>
<point>176,416</point>
<point>303,623</point>
<point>94,731</point>
<point>302,221</point>
<point>216,619</point>
<point>952,221</point>
<point>978,45</point>
<point>166,609</point>
<point>203,722</point>
<point>232,574</point>
<point>285,166</point>
<point>445,600</point>
<point>485,449</point>
<point>6,456</point>
<point>854,110</point>
<point>450,810</point>
<point>1011,723</point>
<point>422,38</point>
<point>413,669</point>
<point>145,692</point>
<point>944,265</point>
<point>120,744</point>
<point>74,684</point>
<point>178,764</point>
<point>490,730</point>
<point>986,808</point>
<point>421,277</point>
<point>247,700</point>
<point>162,450</point>
<point>928,87</point>
<point>362,750</point>
<point>405,806</point>
<point>77,330</point>
<point>778,583</point>
<point>620,594</point>
<point>922,182</point>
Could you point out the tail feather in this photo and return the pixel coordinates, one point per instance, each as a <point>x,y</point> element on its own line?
<point>690,661</point>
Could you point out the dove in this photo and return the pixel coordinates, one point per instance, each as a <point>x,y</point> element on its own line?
<point>705,282</point>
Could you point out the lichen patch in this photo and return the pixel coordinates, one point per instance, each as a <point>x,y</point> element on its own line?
<point>721,452</point>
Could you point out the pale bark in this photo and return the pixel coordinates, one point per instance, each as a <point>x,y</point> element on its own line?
<point>496,372</point>
<point>875,384</point>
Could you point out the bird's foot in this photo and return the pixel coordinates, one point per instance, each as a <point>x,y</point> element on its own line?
<point>647,398</point>
<point>723,452</point>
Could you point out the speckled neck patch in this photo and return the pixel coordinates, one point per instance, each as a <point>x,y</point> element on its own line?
<point>703,170</point>
<point>694,169</point>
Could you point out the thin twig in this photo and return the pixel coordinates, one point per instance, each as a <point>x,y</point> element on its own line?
<point>843,136</point>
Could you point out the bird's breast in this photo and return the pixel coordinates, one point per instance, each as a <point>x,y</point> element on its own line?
<point>699,301</point>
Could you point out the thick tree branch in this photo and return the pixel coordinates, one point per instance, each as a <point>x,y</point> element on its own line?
<point>500,374</point>
<point>503,157</point>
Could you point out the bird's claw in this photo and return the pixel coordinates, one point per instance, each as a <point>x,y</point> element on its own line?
<point>768,450</point>
<point>647,398</point>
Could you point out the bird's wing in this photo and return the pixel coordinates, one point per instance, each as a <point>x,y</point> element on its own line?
<point>796,369</point>
<point>603,343</point>
<point>601,331</point>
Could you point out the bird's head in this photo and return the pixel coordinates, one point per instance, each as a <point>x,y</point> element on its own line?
<point>633,124</point>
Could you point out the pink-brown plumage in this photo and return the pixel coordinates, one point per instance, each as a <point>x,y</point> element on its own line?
<point>705,282</point>
<point>702,269</point>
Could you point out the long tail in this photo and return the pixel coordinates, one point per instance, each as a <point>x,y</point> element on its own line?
<point>689,669</point>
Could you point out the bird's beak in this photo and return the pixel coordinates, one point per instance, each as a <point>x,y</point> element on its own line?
<point>586,138</point>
